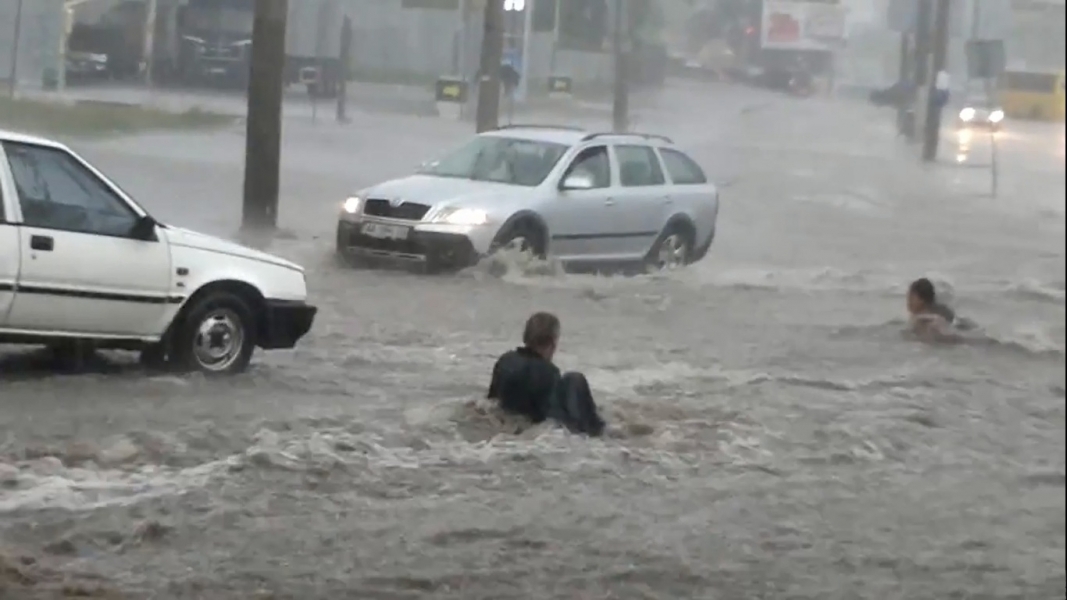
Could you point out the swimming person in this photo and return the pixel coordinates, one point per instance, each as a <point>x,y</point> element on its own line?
<point>929,318</point>
<point>526,382</point>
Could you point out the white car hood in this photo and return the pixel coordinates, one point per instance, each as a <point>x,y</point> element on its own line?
<point>446,191</point>
<point>192,239</point>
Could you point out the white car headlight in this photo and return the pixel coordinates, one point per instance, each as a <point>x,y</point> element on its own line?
<point>967,114</point>
<point>996,116</point>
<point>352,205</point>
<point>464,216</point>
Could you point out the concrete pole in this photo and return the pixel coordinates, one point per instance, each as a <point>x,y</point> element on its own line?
<point>939,63</point>
<point>148,55</point>
<point>488,110</point>
<point>13,75</point>
<point>263,137</point>
<point>527,34</point>
<point>620,108</point>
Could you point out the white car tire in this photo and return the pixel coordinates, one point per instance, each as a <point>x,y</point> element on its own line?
<point>216,336</point>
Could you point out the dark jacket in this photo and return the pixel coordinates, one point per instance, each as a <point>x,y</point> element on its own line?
<point>524,383</point>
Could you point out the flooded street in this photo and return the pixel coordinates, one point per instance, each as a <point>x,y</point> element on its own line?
<point>774,434</point>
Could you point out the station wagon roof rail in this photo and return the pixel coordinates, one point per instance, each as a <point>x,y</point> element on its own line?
<point>647,136</point>
<point>538,126</point>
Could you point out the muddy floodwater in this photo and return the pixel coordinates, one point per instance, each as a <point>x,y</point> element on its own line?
<point>774,433</point>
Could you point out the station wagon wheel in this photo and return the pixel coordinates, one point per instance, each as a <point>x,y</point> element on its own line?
<point>522,237</point>
<point>671,251</point>
<point>217,335</point>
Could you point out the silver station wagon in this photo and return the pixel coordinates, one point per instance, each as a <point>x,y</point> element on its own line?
<point>581,197</point>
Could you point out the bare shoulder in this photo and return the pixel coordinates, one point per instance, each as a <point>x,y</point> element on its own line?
<point>934,328</point>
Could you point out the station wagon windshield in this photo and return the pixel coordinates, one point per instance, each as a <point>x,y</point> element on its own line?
<point>501,160</point>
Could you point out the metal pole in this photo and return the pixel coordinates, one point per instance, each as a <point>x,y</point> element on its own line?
<point>527,33</point>
<point>13,75</point>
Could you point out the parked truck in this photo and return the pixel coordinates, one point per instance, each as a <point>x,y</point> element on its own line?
<point>768,41</point>
<point>216,44</point>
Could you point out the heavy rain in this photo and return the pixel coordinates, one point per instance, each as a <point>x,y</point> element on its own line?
<point>775,427</point>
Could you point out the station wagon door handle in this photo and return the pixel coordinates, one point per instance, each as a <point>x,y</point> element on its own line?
<point>668,200</point>
<point>609,202</point>
<point>42,243</point>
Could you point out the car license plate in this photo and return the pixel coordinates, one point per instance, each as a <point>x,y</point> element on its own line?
<point>385,232</point>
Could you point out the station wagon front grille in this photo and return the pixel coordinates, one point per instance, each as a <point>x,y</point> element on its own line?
<point>410,211</point>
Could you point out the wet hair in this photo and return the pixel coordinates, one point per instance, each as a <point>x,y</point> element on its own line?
<point>923,289</point>
<point>542,329</point>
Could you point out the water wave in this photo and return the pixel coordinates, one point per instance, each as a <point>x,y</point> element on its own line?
<point>1030,341</point>
<point>1029,289</point>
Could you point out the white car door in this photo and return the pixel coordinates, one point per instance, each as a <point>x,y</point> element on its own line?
<point>642,203</point>
<point>9,259</point>
<point>578,219</point>
<point>81,269</point>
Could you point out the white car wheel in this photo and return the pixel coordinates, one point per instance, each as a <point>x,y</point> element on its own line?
<point>217,335</point>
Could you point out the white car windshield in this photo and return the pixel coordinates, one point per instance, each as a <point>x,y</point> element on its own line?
<point>500,159</point>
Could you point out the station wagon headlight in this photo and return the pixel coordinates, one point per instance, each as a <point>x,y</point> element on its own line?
<point>463,216</point>
<point>996,116</point>
<point>967,114</point>
<point>352,205</point>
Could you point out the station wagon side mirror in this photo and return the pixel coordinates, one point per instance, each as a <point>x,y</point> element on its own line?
<point>144,229</point>
<point>577,181</point>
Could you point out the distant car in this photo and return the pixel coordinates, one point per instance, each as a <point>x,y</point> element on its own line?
<point>81,263</point>
<point>980,112</point>
<point>584,198</point>
<point>86,66</point>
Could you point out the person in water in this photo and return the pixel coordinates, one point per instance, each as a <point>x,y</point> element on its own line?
<point>929,317</point>
<point>526,382</point>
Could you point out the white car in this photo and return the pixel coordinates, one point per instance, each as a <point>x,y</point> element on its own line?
<point>82,263</point>
<point>581,197</point>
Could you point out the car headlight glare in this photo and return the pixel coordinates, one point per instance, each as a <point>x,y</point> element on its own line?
<point>967,114</point>
<point>465,216</point>
<point>352,205</point>
<point>996,116</point>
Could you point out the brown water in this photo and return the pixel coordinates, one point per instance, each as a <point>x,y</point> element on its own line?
<point>774,433</point>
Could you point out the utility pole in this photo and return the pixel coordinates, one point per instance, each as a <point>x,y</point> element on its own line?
<point>488,111</point>
<point>149,50</point>
<point>922,41</point>
<point>346,67</point>
<point>13,75</point>
<point>620,108</point>
<point>527,38</point>
<point>907,106</point>
<point>935,95</point>
<point>263,137</point>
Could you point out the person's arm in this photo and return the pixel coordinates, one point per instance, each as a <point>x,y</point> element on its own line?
<point>494,383</point>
